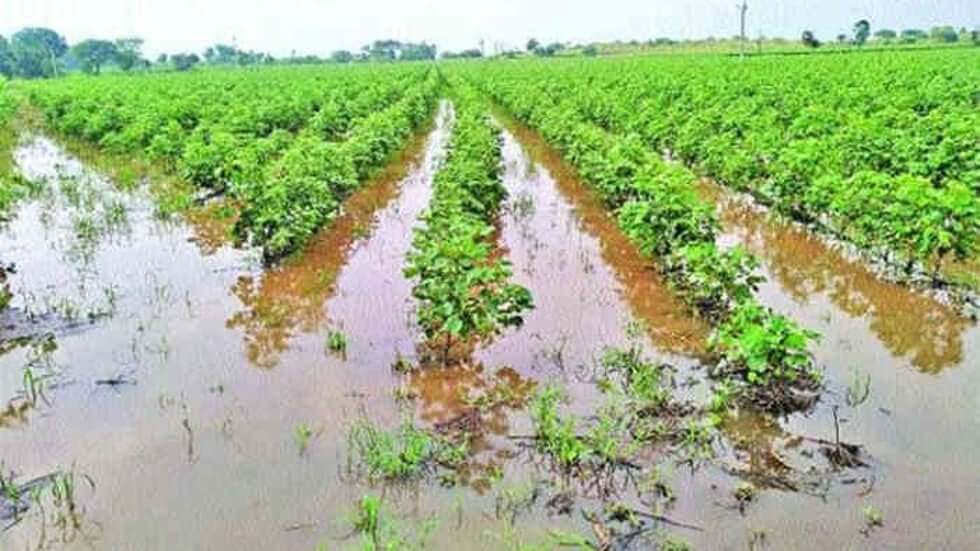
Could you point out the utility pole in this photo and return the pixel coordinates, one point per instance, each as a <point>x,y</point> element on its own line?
<point>742,9</point>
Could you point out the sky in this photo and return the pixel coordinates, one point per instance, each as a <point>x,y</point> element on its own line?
<point>321,26</point>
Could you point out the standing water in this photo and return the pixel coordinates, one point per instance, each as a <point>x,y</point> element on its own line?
<point>192,400</point>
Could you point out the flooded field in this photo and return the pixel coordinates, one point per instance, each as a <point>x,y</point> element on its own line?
<point>193,398</point>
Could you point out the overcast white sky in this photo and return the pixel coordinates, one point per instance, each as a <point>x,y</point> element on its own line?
<point>321,26</point>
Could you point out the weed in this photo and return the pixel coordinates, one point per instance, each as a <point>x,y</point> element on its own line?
<point>405,453</point>
<point>673,543</point>
<point>567,539</point>
<point>368,518</point>
<point>555,436</point>
<point>873,518</point>
<point>656,482</point>
<point>337,342</point>
<point>698,439</point>
<point>379,531</point>
<point>721,401</point>
<point>302,435</point>
<point>114,215</point>
<point>522,206</point>
<point>745,494</point>
<point>514,500</point>
<point>641,381</point>
<point>859,388</point>
<point>402,364</point>
<point>609,438</point>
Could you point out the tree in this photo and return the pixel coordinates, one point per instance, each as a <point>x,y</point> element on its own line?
<point>382,50</point>
<point>416,52</point>
<point>184,62</point>
<point>93,54</point>
<point>532,44</point>
<point>550,49</point>
<point>342,56</point>
<point>810,40</point>
<point>471,53</point>
<point>590,51</point>
<point>886,35</point>
<point>944,33</point>
<point>36,52</point>
<point>841,38</point>
<point>862,30</point>
<point>225,54</point>
<point>162,59</point>
<point>7,63</point>
<point>129,52</point>
<point>913,35</point>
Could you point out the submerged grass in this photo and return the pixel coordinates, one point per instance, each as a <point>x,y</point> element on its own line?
<point>404,453</point>
<point>380,530</point>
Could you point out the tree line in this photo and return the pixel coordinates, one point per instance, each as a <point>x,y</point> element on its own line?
<point>38,52</point>
<point>861,33</point>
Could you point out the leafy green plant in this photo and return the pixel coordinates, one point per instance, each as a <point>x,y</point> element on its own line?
<point>658,207</point>
<point>288,145</point>
<point>887,162</point>
<point>766,345</point>
<point>462,289</point>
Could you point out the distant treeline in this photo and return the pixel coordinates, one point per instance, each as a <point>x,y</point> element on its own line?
<point>37,52</point>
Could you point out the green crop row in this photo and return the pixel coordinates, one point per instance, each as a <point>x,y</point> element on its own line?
<point>303,189</point>
<point>8,188</point>
<point>288,144</point>
<point>463,289</point>
<point>657,207</point>
<point>217,128</point>
<point>880,150</point>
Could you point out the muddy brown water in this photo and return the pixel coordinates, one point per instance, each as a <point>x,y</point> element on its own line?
<point>226,360</point>
<point>922,413</point>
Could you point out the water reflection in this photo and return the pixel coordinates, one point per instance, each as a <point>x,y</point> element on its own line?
<point>543,186</point>
<point>446,394</point>
<point>212,224</point>
<point>289,299</point>
<point>467,398</point>
<point>911,325</point>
